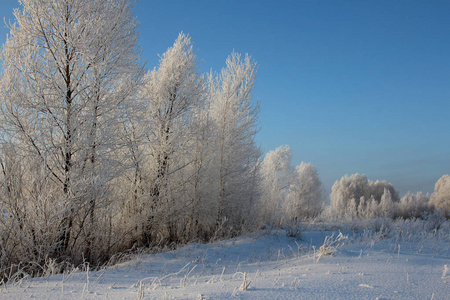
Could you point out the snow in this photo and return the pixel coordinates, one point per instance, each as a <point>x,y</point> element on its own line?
<point>363,265</point>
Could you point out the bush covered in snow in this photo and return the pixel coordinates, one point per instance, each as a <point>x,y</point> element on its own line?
<point>356,197</point>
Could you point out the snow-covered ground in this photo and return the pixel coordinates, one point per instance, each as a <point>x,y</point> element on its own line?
<point>354,265</point>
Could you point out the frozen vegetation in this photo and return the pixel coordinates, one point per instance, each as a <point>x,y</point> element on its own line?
<point>103,162</point>
<point>375,259</point>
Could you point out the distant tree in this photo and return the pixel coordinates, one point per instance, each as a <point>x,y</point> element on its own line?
<point>413,205</point>
<point>440,199</point>
<point>351,210</point>
<point>373,208</point>
<point>386,204</point>
<point>381,187</point>
<point>346,196</point>
<point>338,205</point>
<point>349,187</point>
<point>362,208</point>
<point>306,196</point>
<point>276,176</point>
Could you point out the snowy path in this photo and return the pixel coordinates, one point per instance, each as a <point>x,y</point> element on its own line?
<point>275,266</point>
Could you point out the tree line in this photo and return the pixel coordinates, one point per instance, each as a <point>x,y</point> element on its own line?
<point>100,156</point>
<point>289,195</point>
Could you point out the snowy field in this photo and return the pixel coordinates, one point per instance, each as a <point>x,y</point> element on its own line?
<point>406,261</point>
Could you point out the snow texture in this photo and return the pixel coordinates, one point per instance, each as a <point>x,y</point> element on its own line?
<point>318,265</point>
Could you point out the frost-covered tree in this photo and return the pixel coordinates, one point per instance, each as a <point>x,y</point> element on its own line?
<point>276,173</point>
<point>379,187</point>
<point>349,187</point>
<point>347,193</point>
<point>413,205</point>
<point>386,204</point>
<point>440,199</point>
<point>373,208</point>
<point>172,92</point>
<point>95,157</point>
<point>351,210</point>
<point>362,208</point>
<point>306,197</point>
<point>234,116</point>
<point>199,195</point>
<point>69,67</point>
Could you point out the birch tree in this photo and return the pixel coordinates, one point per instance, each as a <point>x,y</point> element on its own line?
<point>386,204</point>
<point>306,197</point>
<point>69,66</point>
<point>235,118</point>
<point>276,177</point>
<point>171,91</point>
<point>200,174</point>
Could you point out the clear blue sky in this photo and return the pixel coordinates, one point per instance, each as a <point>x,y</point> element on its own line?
<point>351,86</point>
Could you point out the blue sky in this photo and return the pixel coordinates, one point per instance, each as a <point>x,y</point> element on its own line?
<point>351,86</point>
